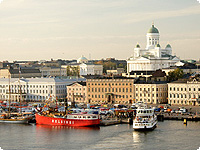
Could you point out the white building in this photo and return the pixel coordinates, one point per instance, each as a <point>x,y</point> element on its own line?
<point>34,89</point>
<point>153,57</point>
<point>184,92</point>
<point>53,71</point>
<point>90,69</point>
<point>82,59</point>
<point>86,68</point>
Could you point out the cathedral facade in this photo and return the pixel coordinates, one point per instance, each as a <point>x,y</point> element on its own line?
<point>153,57</point>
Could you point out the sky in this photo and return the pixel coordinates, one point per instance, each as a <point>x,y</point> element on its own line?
<point>97,29</point>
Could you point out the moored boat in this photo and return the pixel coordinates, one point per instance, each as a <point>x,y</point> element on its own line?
<point>78,120</point>
<point>145,119</point>
<point>14,120</point>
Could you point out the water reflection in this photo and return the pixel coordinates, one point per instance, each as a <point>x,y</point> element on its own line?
<point>138,135</point>
<point>48,127</point>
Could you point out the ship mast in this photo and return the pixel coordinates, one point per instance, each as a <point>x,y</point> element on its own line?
<point>20,92</point>
<point>9,96</point>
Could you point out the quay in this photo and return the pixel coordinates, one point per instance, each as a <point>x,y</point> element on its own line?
<point>168,116</point>
<point>115,121</point>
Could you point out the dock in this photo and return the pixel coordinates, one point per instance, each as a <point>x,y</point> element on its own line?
<point>115,121</point>
<point>167,116</point>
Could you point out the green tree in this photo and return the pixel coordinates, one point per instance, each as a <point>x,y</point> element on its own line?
<point>176,74</point>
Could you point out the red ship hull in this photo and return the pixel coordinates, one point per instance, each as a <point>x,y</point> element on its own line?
<point>80,121</point>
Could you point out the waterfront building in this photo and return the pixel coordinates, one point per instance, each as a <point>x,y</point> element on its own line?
<point>184,92</point>
<point>77,92</point>
<point>115,89</point>
<point>151,93</point>
<point>34,89</point>
<point>153,57</point>
<point>153,89</point>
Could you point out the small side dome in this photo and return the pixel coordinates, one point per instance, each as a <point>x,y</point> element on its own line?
<point>168,46</point>
<point>157,45</point>
<point>153,29</point>
<point>137,46</point>
<point>82,59</point>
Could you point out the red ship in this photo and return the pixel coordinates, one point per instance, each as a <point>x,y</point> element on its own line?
<point>76,120</point>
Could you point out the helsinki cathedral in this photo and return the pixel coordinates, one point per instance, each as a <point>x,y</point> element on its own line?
<point>153,57</point>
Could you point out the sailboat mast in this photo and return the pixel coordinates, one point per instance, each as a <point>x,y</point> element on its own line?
<point>20,92</point>
<point>9,96</point>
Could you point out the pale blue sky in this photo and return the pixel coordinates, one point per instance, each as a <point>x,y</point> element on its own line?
<point>67,29</point>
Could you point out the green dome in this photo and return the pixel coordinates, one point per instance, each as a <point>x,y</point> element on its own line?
<point>157,45</point>
<point>153,30</point>
<point>168,46</point>
<point>137,46</point>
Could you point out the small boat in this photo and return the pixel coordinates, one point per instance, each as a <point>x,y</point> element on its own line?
<point>76,120</point>
<point>145,119</point>
<point>14,120</point>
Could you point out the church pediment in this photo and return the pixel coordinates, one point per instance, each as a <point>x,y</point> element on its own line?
<point>176,58</point>
<point>22,81</point>
<point>142,58</point>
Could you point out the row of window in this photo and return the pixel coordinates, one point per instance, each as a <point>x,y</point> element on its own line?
<point>183,89</point>
<point>33,91</point>
<point>31,97</point>
<point>178,102</point>
<point>109,89</point>
<point>148,89</point>
<point>110,84</point>
<point>32,86</point>
<point>102,101</point>
<point>151,95</point>
<point>80,89</point>
<point>80,94</point>
<point>115,96</point>
<point>183,96</point>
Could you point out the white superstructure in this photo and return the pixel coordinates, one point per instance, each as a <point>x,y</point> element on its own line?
<point>145,119</point>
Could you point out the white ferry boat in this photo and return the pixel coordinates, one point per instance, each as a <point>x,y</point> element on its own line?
<point>145,119</point>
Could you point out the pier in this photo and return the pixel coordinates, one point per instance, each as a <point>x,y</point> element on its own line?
<point>175,116</point>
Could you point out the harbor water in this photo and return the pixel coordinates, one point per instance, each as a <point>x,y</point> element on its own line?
<point>167,136</point>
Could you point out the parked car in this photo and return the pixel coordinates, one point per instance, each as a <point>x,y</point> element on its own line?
<point>173,111</point>
<point>157,109</point>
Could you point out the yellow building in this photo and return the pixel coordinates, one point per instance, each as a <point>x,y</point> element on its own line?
<point>110,90</point>
<point>77,92</point>
<point>153,93</point>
